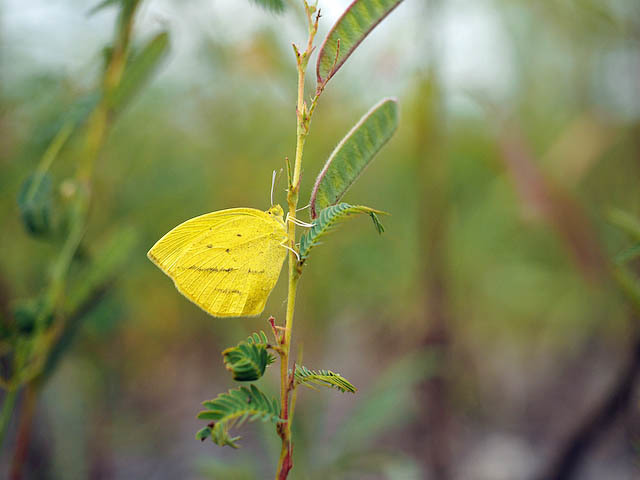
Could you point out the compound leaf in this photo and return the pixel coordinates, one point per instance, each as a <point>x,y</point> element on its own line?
<point>324,378</point>
<point>232,409</point>
<point>248,360</point>
<point>350,30</point>
<point>329,219</point>
<point>352,155</point>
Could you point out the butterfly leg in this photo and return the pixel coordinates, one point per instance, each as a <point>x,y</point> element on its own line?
<point>291,249</point>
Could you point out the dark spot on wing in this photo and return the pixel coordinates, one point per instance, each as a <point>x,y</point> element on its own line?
<point>211,269</point>
<point>226,290</point>
<point>238,235</point>
<point>227,250</point>
<point>209,246</point>
<point>256,272</point>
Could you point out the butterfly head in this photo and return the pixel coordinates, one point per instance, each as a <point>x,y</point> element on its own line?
<point>276,211</point>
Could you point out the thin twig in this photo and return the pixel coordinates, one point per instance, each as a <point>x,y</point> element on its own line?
<point>572,453</point>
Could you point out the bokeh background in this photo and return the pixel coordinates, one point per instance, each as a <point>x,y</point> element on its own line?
<point>481,328</point>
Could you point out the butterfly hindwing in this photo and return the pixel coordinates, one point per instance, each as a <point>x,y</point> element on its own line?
<point>226,262</point>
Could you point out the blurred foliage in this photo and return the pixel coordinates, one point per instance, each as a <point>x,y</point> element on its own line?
<point>183,148</point>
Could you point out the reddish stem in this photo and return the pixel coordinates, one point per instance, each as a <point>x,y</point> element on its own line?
<point>287,465</point>
<point>24,432</point>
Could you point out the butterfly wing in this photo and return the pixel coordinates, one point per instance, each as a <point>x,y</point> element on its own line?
<point>226,262</point>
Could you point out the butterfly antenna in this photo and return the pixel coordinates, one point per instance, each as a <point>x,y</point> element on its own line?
<point>274,179</point>
<point>303,208</point>
<point>298,222</point>
<point>273,182</point>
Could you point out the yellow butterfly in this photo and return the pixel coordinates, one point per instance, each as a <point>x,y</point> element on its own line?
<point>226,262</point>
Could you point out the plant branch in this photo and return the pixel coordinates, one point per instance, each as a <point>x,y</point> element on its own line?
<point>95,136</point>
<point>302,129</point>
<point>595,423</point>
<point>7,411</point>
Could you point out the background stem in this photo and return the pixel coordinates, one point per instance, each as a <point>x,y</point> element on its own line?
<point>7,410</point>
<point>24,431</point>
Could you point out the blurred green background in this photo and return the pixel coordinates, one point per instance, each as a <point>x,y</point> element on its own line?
<point>479,332</point>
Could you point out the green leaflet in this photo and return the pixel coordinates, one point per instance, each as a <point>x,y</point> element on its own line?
<point>139,70</point>
<point>352,155</point>
<point>203,433</point>
<point>324,378</point>
<point>349,31</point>
<point>26,314</point>
<point>327,221</point>
<point>273,5</point>
<point>232,409</point>
<point>35,201</point>
<point>248,360</point>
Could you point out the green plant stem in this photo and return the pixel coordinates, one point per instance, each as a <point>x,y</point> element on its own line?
<point>284,464</point>
<point>302,129</point>
<point>7,410</point>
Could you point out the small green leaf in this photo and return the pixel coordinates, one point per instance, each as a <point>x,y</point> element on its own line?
<point>376,222</point>
<point>276,6</point>
<point>350,30</point>
<point>27,313</point>
<point>233,408</point>
<point>139,70</point>
<point>203,433</point>
<point>248,360</point>
<point>352,155</point>
<point>324,378</point>
<point>35,201</point>
<point>328,220</point>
